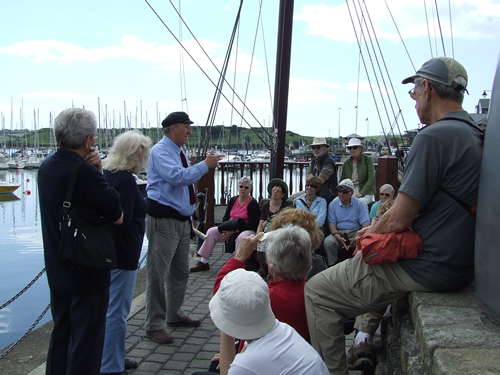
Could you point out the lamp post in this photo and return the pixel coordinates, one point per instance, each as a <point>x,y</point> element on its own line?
<point>339,128</point>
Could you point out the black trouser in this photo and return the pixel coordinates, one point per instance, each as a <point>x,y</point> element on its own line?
<point>78,336</point>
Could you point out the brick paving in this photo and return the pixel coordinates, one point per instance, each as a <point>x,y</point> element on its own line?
<point>193,347</point>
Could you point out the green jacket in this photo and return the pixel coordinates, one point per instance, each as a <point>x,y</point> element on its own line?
<point>366,174</point>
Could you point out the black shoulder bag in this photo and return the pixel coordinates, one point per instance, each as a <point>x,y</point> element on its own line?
<point>87,239</point>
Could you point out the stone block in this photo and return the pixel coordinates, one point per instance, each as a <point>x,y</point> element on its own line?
<point>466,361</point>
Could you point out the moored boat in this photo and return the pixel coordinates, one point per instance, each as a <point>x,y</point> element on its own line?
<point>7,187</point>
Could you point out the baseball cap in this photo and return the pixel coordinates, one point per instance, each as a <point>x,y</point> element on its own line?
<point>443,70</point>
<point>347,184</point>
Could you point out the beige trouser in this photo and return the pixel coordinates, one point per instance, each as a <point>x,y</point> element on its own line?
<point>350,288</point>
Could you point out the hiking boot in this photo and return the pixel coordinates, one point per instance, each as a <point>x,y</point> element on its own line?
<point>361,358</point>
<point>200,266</point>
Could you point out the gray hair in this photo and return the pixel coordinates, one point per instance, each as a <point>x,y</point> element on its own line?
<point>72,126</point>
<point>444,91</point>
<point>289,251</point>
<point>246,180</point>
<point>130,152</point>
<point>387,187</point>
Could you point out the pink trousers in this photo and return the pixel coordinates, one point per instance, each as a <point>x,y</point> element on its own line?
<point>214,237</point>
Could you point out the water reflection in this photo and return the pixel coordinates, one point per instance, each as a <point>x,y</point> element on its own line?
<point>21,251</point>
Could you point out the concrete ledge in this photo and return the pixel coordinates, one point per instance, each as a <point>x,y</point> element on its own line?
<point>446,333</point>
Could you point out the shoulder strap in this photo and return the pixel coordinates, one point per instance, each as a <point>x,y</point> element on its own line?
<point>305,203</point>
<point>460,202</point>
<point>71,184</point>
<point>472,125</point>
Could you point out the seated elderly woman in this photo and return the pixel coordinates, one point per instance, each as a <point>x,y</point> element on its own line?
<point>288,255</point>
<point>386,192</point>
<point>278,190</point>
<point>306,220</point>
<point>243,207</point>
<point>312,201</point>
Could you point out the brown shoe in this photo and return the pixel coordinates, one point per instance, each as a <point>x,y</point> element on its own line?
<point>361,357</point>
<point>188,322</point>
<point>161,336</point>
<point>200,266</point>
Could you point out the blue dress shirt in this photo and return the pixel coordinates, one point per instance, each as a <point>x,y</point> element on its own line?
<point>168,180</point>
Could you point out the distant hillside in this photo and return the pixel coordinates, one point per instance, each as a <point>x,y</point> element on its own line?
<point>222,137</point>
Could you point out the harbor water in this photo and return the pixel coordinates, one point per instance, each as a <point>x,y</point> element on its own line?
<point>21,257</point>
<point>21,246</point>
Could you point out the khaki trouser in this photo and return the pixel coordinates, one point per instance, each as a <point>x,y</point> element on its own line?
<point>167,270</point>
<point>350,288</point>
<point>332,246</point>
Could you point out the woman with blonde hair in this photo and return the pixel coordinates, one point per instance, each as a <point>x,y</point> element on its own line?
<point>128,155</point>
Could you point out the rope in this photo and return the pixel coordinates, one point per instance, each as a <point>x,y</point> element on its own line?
<point>439,23</point>
<point>428,30</point>
<point>451,31</point>
<point>400,37</point>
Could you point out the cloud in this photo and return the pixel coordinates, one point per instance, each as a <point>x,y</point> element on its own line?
<point>167,56</point>
<point>471,19</point>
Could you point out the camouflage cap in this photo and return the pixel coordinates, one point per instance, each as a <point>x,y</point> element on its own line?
<point>443,70</point>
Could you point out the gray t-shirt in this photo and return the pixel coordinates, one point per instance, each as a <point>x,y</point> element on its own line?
<point>446,155</point>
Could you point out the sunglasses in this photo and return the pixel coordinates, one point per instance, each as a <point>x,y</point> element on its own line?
<point>244,187</point>
<point>316,147</point>
<point>343,191</point>
<point>384,195</point>
<point>314,186</point>
<point>277,189</point>
<point>352,147</point>
<point>413,94</point>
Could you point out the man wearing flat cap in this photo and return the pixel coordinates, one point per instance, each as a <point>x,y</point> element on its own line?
<point>323,166</point>
<point>170,203</point>
<point>436,199</point>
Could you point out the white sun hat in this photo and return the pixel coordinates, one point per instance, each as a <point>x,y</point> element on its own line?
<point>319,141</point>
<point>354,142</point>
<point>241,307</point>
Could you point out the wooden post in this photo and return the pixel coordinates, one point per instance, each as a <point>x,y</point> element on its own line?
<point>387,173</point>
<point>207,181</point>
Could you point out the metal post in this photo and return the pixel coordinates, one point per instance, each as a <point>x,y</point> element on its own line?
<point>201,217</point>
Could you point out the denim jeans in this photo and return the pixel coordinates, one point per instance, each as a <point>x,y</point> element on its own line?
<point>121,293</point>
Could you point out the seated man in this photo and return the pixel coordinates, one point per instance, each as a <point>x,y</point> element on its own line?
<point>432,201</point>
<point>346,215</point>
<point>323,166</point>
<point>386,192</point>
<point>241,308</point>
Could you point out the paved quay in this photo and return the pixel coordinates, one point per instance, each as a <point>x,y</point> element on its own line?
<point>193,347</point>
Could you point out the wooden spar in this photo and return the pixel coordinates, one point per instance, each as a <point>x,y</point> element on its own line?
<point>281,85</point>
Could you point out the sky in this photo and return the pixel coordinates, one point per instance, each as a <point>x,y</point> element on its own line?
<point>57,54</point>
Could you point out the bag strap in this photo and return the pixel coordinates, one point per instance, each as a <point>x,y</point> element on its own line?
<point>472,125</point>
<point>71,184</point>
<point>468,208</point>
<point>303,200</point>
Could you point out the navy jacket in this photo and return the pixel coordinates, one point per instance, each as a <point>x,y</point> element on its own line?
<point>91,191</point>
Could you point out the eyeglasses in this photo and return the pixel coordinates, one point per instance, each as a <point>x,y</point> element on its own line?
<point>343,191</point>
<point>384,195</point>
<point>316,147</point>
<point>276,189</point>
<point>314,186</point>
<point>352,147</point>
<point>413,94</point>
<point>244,187</point>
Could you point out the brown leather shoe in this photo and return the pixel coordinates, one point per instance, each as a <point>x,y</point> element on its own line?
<point>161,336</point>
<point>188,322</point>
<point>200,266</point>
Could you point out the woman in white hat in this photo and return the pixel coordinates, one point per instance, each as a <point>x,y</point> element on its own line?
<point>359,168</point>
